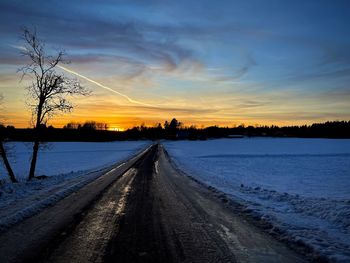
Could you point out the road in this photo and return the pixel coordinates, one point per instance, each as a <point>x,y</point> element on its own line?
<point>151,212</point>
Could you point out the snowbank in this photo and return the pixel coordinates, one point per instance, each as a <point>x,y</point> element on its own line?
<point>301,186</point>
<point>69,165</point>
<point>65,157</point>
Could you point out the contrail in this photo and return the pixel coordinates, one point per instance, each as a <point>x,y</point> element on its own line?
<point>18,47</point>
<point>93,81</point>
<point>104,87</point>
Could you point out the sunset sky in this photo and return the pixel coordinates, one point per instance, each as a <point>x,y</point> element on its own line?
<point>203,62</point>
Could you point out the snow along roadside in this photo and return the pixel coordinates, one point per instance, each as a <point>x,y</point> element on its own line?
<point>25,199</point>
<point>24,240</point>
<point>301,197</point>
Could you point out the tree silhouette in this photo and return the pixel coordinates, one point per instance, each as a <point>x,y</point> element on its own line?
<point>174,124</point>
<point>49,89</point>
<point>166,125</point>
<point>171,128</point>
<point>3,153</point>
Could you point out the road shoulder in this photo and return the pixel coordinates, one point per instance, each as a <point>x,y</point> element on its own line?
<point>24,241</point>
<point>248,242</point>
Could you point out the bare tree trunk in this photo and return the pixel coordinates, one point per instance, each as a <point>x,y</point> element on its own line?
<point>33,162</point>
<point>7,164</point>
<point>36,142</point>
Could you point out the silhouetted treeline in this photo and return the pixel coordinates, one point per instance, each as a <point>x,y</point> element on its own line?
<point>174,130</point>
<point>330,129</point>
<point>88,125</point>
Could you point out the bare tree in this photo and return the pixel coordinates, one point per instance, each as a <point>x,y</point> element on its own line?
<point>72,125</point>
<point>49,89</point>
<point>3,153</point>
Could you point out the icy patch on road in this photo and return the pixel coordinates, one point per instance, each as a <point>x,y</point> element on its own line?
<point>300,186</point>
<point>156,167</point>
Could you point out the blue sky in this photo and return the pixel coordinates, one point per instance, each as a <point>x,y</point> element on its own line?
<point>204,62</point>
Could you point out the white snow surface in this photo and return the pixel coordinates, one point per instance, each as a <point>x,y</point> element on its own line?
<point>69,166</point>
<point>300,186</point>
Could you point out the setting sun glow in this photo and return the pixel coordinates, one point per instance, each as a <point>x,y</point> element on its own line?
<point>223,65</point>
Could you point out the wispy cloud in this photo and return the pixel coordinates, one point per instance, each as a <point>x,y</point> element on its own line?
<point>204,62</point>
<point>104,87</point>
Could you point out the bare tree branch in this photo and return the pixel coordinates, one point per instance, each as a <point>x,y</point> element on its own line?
<point>49,89</point>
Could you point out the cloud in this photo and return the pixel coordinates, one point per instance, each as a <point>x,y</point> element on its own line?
<point>13,60</point>
<point>320,74</point>
<point>127,48</point>
<point>171,48</point>
<point>339,95</point>
<point>103,86</point>
<point>251,104</point>
<point>70,30</point>
<point>148,43</point>
<point>137,109</point>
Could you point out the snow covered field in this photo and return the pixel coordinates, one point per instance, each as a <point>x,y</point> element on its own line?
<point>301,186</point>
<point>69,165</point>
<point>66,157</point>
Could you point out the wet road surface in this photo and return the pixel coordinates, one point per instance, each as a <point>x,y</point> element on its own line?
<point>152,213</point>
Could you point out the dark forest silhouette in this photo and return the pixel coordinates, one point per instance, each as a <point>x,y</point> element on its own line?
<point>175,130</point>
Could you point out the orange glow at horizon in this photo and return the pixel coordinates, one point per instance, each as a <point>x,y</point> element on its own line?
<point>123,123</point>
<point>180,63</point>
<point>202,108</point>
